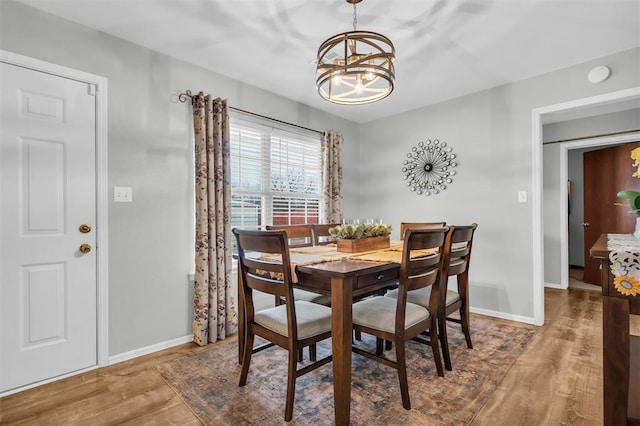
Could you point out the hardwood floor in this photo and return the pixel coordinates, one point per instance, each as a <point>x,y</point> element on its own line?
<point>558,378</point>
<point>556,381</point>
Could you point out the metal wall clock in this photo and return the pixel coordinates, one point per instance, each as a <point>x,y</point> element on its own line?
<point>429,167</point>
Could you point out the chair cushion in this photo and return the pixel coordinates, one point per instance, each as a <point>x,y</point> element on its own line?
<point>421,296</point>
<point>313,319</point>
<point>380,313</point>
<point>309,296</point>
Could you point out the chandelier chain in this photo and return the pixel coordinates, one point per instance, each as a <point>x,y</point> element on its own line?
<point>355,16</point>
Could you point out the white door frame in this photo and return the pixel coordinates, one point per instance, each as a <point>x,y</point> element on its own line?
<point>102,247</point>
<point>538,115</point>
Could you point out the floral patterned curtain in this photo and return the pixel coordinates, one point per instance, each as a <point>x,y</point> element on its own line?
<point>215,314</point>
<point>332,176</point>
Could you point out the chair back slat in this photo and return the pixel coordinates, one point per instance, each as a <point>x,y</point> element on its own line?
<point>419,225</point>
<point>265,284</point>
<point>321,234</point>
<point>298,235</point>
<point>456,268</point>
<point>263,265</point>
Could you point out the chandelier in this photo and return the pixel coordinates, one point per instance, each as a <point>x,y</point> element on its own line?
<point>355,67</point>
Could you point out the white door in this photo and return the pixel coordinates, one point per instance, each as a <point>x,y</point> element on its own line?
<point>47,191</point>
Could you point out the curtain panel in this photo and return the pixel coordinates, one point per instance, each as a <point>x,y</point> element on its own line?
<point>215,315</point>
<point>332,176</point>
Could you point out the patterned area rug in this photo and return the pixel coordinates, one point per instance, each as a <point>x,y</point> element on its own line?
<point>208,382</point>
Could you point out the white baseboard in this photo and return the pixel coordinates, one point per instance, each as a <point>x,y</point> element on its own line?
<point>502,315</point>
<point>554,285</point>
<point>149,349</point>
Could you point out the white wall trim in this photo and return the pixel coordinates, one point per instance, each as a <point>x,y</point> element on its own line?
<point>538,116</point>
<point>102,249</point>
<point>564,173</point>
<point>502,315</point>
<point>150,349</point>
<point>537,225</point>
<point>554,285</point>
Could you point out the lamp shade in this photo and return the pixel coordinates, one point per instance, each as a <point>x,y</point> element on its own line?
<point>355,68</point>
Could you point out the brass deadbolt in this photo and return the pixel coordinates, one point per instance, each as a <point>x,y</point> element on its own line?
<point>85,248</point>
<point>85,228</point>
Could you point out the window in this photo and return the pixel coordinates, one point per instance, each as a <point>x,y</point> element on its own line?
<point>275,176</point>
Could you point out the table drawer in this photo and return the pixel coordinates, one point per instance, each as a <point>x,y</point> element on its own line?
<point>372,279</point>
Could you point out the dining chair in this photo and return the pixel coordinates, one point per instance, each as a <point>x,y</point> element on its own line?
<point>398,320</point>
<point>321,234</point>
<point>264,265</point>
<point>457,253</point>
<point>419,225</point>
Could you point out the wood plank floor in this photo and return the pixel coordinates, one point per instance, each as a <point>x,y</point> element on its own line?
<point>556,381</point>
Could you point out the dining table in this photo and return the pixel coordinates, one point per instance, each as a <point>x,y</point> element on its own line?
<point>344,277</point>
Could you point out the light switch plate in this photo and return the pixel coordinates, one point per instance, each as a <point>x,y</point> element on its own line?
<point>522,196</point>
<point>122,194</point>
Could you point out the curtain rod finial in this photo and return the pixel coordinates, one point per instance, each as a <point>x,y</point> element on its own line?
<point>182,97</point>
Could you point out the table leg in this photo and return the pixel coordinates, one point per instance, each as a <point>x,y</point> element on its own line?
<point>341,329</point>
<point>615,348</point>
<point>241,319</point>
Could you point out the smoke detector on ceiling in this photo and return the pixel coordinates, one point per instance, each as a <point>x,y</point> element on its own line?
<point>599,74</point>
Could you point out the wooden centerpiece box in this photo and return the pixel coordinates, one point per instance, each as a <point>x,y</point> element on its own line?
<point>363,244</point>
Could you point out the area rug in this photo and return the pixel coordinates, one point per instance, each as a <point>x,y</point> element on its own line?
<point>208,382</point>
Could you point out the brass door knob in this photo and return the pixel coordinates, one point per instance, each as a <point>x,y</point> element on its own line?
<point>84,228</point>
<point>85,248</point>
<point>585,224</point>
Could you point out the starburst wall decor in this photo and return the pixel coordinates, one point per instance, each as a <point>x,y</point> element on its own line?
<point>429,167</point>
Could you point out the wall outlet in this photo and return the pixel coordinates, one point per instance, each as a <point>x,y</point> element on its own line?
<point>122,194</point>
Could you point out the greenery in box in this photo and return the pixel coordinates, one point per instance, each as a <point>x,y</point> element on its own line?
<point>360,230</point>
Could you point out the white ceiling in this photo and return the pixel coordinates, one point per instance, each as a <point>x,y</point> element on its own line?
<point>444,48</point>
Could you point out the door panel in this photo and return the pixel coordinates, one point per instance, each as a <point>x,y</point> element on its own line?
<point>606,172</point>
<point>48,290</point>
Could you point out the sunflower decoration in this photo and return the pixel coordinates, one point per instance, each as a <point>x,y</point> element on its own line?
<point>626,285</point>
<point>625,267</point>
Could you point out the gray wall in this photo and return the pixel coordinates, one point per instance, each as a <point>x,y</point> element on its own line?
<point>491,131</point>
<point>150,249</point>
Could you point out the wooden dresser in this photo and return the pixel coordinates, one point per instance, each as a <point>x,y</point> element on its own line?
<point>621,351</point>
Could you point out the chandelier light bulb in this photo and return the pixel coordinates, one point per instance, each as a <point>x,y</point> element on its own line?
<point>359,86</point>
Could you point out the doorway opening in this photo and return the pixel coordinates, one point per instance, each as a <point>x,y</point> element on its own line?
<point>595,105</point>
<point>602,142</point>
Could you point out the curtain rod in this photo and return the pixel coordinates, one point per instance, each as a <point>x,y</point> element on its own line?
<point>622,132</point>
<point>182,97</point>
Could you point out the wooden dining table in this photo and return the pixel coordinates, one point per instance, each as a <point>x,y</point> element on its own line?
<point>343,276</point>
